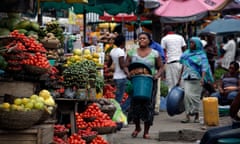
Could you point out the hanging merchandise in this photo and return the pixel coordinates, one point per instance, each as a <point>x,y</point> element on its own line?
<point>71,17</point>
<point>28,7</point>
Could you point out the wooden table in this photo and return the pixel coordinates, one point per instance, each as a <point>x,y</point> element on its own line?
<point>38,134</point>
<point>70,107</point>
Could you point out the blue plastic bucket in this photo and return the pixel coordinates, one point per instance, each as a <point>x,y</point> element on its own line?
<point>229,141</point>
<point>52,62</point>
<point>142,86</point>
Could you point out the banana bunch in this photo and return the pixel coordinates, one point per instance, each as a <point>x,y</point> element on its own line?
<point>55,28</point>
<point>52,25</point>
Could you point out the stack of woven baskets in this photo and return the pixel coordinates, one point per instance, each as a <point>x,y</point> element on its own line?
<point>19,119</point>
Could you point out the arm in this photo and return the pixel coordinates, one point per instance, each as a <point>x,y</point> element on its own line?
<point>127,62</point>
<point>180,76</point>
<point>159,67</point>
<point>220,86</point>
<point>202,79</point>
<point>109,63</point>
<point>121,62</point>
<point>235,106</point>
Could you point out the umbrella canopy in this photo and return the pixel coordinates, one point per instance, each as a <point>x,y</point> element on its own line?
<point>232,8</point>
<point>97,6</point>
<point>121,17</point>
<point>222,26</point>
<point>172,11</point>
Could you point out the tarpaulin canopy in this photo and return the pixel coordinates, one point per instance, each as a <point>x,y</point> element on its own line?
<point>121,17</point>
<point>173,11</point>
<point>112,7</point>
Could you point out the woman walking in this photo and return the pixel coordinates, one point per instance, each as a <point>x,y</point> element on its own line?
<point>144,109</point>
<point>195,71</point>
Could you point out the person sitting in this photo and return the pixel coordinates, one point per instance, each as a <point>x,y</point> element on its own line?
<point>229,85</point>
<point>212,136</point>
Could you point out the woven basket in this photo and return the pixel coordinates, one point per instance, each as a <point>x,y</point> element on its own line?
<point>104,130</point>
<point>45,116</point>
<point>89,119</point>
<point>109,112</point>
<point>61,134</point>
<point>89,138</point>
<point>35,70</point>
<point>19,119</point>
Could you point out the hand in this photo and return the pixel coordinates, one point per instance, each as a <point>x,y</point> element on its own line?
<point>202,82</point>
<point>155,77</point>
<point>178,83</point>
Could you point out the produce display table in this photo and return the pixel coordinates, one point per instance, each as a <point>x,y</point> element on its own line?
<point>38,134</point>
<point>69,107</point>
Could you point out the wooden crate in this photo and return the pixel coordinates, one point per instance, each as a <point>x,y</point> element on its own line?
<point>17,88</point>
<point>39,134</point>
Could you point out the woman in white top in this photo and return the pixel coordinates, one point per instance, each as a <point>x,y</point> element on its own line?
<point>117,57</point>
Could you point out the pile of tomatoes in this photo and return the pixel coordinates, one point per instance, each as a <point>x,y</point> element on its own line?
<point>100,119</point>
<point>25,51</point>
<point>26,43</point>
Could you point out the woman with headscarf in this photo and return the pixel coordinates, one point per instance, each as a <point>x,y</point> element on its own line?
<point>144,109</point>
<point>195,71</point>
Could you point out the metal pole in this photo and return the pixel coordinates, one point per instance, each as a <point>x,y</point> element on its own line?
<point>84,26</point>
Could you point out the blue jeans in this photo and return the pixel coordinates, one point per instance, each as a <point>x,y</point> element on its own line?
<point>120,89</point>
<point>231,95</point>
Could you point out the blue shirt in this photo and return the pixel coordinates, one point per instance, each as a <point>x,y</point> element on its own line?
<point>158,47</point>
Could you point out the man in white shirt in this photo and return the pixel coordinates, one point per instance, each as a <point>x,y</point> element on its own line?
<point>230,52</point>
<point>117,57</point>
<point>174,45</point>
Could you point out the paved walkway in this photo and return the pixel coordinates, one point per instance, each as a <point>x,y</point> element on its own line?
<point>165,130</point>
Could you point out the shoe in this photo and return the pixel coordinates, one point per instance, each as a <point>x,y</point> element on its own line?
<point>146,136</point>
<point>135,133</point>
<point>196,121</point>
<point>185,121</point>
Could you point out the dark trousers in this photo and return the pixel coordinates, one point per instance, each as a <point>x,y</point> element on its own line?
<point>212,135</point>
<point>154,92</point>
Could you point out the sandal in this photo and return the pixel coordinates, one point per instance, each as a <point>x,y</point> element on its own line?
<point>135,133</point>
<point>146,136</point>
<point>185,121</point>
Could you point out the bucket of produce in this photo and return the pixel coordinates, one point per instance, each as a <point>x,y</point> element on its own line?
<point>137,68</point>
<point>142,86</point>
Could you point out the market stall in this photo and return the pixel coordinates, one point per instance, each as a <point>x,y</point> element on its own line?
<point>51,89</point>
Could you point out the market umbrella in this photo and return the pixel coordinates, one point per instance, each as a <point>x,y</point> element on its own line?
<point>222,26</point>
<point>121,17</point>
<point>232,8</point>
<point>176,11</point>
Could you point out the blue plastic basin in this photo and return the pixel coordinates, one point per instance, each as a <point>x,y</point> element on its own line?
<point>175,103</point>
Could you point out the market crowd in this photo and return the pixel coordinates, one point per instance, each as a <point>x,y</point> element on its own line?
<point>188,63</point>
